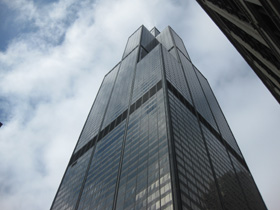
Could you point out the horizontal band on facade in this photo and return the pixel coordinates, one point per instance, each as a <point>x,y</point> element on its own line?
<point>205,123</point>
<point>115,122</point>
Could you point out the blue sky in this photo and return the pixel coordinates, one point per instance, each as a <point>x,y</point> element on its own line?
<point>53,57</point>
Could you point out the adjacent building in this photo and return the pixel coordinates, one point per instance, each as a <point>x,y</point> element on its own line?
<point>253,27</point>
<point>156,138</point>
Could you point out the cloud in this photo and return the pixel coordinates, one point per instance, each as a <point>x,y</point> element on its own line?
<point>51,73</point>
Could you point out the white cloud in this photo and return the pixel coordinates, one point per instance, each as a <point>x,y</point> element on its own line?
<point>51,75</point>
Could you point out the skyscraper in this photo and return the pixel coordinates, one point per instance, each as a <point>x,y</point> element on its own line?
<point>253,27</point>
<point>156,138</point>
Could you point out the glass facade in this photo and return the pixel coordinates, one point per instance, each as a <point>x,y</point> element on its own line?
<point>102,176</point>
<point>217,113</point>
<point>145,174</point>
<point>165,38</point>
<point>148,73</point>
<point>156,138</point>
<point>120,95</point>
<point>194,170</point>
<point>96,114</point>
<point>179,43</point>
<point>175,75</point>
<point>197,93</point>
<point>133,41</point>
<point>71,185</point>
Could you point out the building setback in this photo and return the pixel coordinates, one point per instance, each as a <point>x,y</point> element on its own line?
<point>156,138</point>
<point>253,27</point>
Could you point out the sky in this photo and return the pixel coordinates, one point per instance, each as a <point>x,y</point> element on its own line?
<point>53,57</point>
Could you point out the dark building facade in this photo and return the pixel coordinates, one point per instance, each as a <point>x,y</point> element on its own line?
<point>253,27</point>
<point>156,138</point>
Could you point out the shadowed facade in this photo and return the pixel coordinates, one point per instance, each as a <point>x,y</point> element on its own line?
<point>253,27</point>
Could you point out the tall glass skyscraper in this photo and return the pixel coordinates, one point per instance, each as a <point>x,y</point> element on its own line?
<point>156,138</point>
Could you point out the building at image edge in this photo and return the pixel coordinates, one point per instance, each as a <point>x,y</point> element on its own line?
<point>253,27</point>
<point>156,138</point>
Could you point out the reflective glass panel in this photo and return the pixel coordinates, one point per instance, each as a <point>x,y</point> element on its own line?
<point>101,180</point>
<point>173,52</point>
<point>95,116</point>
<point>148,41</point>
<point>199,98</point>
<point>155,32</point>
<point>165,38</point>
<point>179,43</point>
<point>175,74</point>
<point>122,89</point>
<point>232,195</point>
<point>195,175</point>
<point>133,41</point>
<point>69,190</point>
<point>145,177</point>
<point>249,187</point>
<point>218,114</point>
<point>148,73</point>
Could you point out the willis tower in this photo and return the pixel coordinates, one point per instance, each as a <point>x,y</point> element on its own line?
<point>156,138</point>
